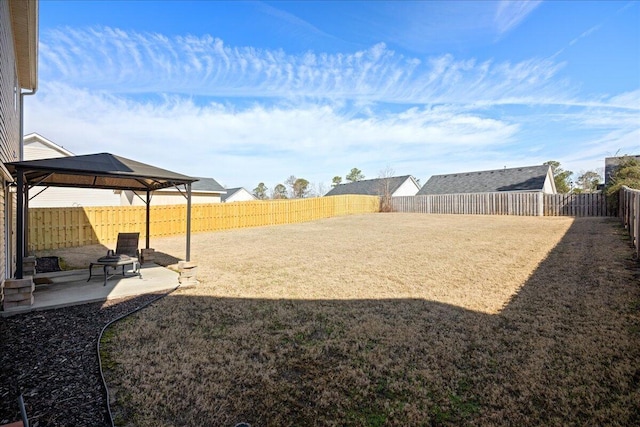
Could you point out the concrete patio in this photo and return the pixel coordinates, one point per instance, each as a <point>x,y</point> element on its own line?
<point>72,288</point>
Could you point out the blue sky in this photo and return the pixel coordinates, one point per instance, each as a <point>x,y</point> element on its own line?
<point>249,92</point>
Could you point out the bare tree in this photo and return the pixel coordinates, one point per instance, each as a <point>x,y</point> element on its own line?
<point>322,190</point>
<point>588,181</point>
<point>291,183</point>
<point>384,189</point>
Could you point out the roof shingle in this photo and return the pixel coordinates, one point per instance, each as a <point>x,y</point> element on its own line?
<point>529,178</point>
<point>368,187</point>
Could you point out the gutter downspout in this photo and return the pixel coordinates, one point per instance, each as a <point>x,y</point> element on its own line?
<point>22,95</point>
<point>23,213</point>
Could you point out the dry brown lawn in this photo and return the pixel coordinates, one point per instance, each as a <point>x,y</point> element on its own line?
<point>389,319</point>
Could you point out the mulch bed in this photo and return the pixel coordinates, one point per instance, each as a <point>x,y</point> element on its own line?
<point>50,358</point>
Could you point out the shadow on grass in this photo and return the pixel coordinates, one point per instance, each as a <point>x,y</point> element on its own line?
<point>564,350</point>
<point>165,259</point>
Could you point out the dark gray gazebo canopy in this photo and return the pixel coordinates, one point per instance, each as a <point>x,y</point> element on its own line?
<point>102,170</point>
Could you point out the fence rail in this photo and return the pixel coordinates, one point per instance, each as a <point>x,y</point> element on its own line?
<point>52,228</point>
<point>523,204</point>
<point>629,208</point>
<point>590,204</point>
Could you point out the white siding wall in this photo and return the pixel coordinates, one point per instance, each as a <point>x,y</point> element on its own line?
<point>548,189</point>
<point>408,188</point>
<point>34,150</point>
<point>168,198</point>
<point>56,197</point>
<point>241,195</point>
<point>9,131</point>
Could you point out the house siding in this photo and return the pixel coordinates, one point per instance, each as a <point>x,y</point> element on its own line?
<point>35,150</point>
<point>56,197</point>
<point>408,188</point>
<point>9,129</point>
<point>172,198</point>
<point>548,186</point>
<point>241,195</point>
<point>9,98</point>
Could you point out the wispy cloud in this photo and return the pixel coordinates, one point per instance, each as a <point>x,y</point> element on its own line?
<point>510,14</point>
<point>125,62</point>
<point>293,23</point>
<point>245,115</point>
<point>311,136</point>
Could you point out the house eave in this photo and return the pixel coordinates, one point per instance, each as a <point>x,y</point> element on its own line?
<point>24,23</point>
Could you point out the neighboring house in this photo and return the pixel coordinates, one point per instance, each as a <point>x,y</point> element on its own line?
<point>38,147</point>
<point>524,179</point>
<point>611,164</point>
<point>18,77</point>
<point>395,186</point>
<point>205,190</point>
<point>239,194</point>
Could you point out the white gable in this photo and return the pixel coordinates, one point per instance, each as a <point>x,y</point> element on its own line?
<point>241,195</point>
<point>37,147</point>
<point>408,188</point>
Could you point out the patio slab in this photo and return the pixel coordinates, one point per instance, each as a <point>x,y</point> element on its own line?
<point>72,288</point>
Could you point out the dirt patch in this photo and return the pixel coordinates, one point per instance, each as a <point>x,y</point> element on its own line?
<point>391,319</point>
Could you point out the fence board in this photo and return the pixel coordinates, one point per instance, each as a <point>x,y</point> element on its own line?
<point>590,204</point>
<point>52,228</point>
<point>629,209</point>
<point>521,204</point>
<point>474,204</point>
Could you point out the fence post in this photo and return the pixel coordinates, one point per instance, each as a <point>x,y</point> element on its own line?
<point>540,210</point>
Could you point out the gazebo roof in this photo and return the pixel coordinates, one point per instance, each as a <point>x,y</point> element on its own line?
<point>101,170</point>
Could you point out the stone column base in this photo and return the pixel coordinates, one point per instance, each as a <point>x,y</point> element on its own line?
<point>187,270</point>
<point>17,292</point>
<point>147,255</point>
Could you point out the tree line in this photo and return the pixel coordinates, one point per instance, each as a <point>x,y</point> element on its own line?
<point>299,188</point>
<point>627,173</point>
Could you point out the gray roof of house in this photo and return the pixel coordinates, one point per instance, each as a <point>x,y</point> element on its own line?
<point>612,163</point>
<point>529,178</point>
<point>207,184</point>
<point>369,187</point>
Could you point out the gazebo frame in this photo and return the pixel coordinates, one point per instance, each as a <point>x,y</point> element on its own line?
<point>103,170</point>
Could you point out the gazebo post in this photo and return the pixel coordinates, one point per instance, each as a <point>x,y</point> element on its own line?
<point>148,218</point>
<point>188,257</point>
<point>25,248</point>
<point>20,223</point>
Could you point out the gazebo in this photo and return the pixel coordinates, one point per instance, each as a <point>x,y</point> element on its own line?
<point>103,170</point>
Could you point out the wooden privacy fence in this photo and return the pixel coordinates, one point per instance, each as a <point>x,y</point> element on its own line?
<point>524,204</point>
<point>51,228</point>
<point>590,204</point>
<point>629,208</point>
